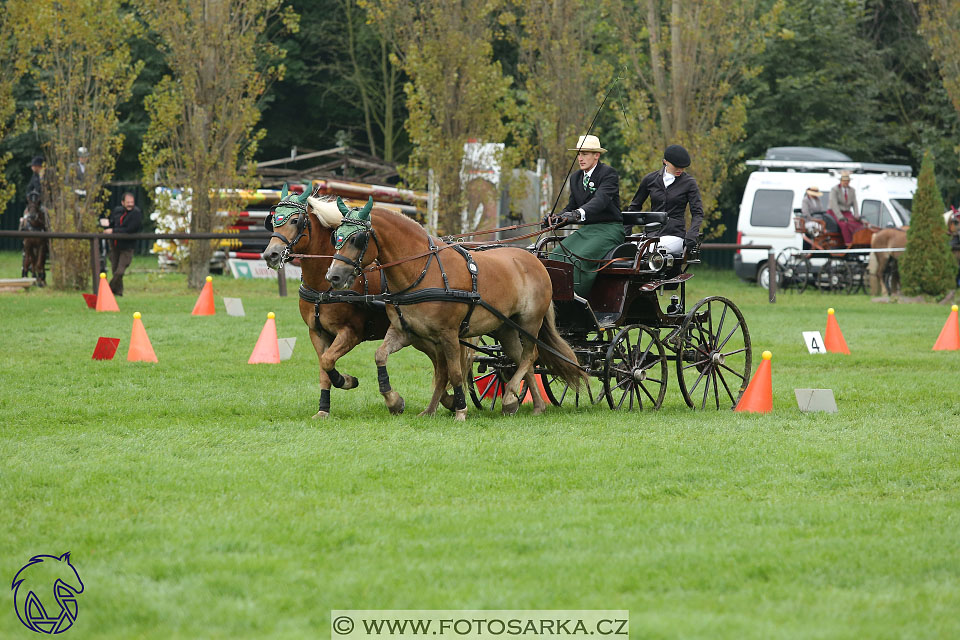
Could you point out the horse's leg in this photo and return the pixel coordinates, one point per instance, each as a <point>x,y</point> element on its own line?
<point>345,340</point>
<point>523,355</point>
<point>874,269</point>
<point>41,265</point>
<point>320,343</point>
<point>393,341</point>
<point>439,379</point>
<point>26,260</point>
<point>450,346</point>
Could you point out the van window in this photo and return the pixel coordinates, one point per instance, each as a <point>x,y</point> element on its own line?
<point>876,213</point>
<point>772,208</point>
<point>903,207</point>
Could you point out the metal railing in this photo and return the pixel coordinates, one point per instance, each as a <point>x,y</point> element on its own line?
<point>93,238</point>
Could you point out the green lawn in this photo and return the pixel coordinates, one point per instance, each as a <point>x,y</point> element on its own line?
<point>199,500</point>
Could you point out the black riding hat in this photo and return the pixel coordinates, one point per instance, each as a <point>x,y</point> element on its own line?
<point>677,156</point>
<point>36,162</point>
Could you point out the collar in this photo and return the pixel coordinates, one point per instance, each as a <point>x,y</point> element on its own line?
<point>594,168</point>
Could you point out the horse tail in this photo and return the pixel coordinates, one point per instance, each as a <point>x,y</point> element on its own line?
<point>570,373</point>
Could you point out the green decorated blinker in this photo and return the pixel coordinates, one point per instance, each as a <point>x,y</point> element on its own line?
<point>290,204</point>
<point>355,218</point>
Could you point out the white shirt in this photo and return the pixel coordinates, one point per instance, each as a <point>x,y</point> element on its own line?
<point>583,215</point>
<point>668,178</point>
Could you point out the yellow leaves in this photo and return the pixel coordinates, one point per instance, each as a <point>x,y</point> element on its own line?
<point>786,34</point>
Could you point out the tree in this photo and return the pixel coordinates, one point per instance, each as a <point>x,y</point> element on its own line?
<point>81,77</point>
<point>456,91</point>
<point>928,266</point>
<point>684,61</point>
<point>9,122</point>
<point>203,115</point>
<point>940,24</point>
<point>562,73</point>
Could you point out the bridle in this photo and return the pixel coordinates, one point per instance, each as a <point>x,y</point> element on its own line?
<point>272,221</point>
<point>362,227</point>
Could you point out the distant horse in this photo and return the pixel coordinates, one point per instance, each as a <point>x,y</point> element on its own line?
<point>882,266</point>
<point>952,218</point>
<point>511,283</point>
<point>335,328</point>
<point>35,249</point>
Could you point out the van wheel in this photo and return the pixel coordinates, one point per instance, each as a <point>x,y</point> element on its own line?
<point>763,276</point>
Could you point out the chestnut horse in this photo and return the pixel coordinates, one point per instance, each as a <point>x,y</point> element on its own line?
<point>888,238</point>
<point>35,249</point>
<point>423,276</point>
<point>300,224</point>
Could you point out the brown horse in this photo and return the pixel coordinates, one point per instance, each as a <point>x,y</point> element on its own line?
<point>511,281</point>
<point>889,238</point>
<point>953,228</point>
<point>335,328</point>
<point>35,249</point>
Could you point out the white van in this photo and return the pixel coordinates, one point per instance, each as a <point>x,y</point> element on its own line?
<point>775,190</point>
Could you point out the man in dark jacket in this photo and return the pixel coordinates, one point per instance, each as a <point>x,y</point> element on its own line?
<point>671,189</point>
<point>126,218</point>
<point>595,204</point>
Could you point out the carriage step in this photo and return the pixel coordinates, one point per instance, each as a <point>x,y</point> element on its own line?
<point>607,319</point>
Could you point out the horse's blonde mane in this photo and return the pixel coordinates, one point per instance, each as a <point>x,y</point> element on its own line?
<point>326,210</point>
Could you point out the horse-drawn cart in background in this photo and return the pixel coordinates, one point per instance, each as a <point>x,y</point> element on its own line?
<point>844,268</point>
<point>627,336</point>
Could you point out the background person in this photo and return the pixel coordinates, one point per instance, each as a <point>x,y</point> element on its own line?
<point>671,189</point>
<point>126,218</point>
<point>594,203</point>
<point>812,203</point>
<point>843,203</point>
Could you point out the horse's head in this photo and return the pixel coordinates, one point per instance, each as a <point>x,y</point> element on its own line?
<point>289,221</point>
<point>953,221</point>
<point>351,240</point>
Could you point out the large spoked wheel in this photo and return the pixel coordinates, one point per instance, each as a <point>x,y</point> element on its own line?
<point>858,277</point>
<point>786,267</point>
<point>489,374</point>
<point>591,392</point>
<point>636,370</point>
<point>802,274</point>
<point>713,354</point>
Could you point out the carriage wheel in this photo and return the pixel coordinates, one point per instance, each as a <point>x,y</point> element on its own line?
<point>489,379</point>
<point>591,392</point>
<point>832,275</point>
<point>713,354</point>
<point>801,274</point>
<point>858,277</point>
<point>635,370</point>
<point>786,267</point>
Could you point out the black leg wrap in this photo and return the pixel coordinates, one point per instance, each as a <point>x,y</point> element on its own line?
<point>335,378</point>
<point>459,400</point>
<point>325,400</point>
<point>383,378</point>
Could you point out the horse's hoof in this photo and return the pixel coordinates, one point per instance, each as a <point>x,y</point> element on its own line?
<point>426,413</point>
<point>461,415</point>
<point>321,414</point>
<point>537,411</point>
<point>397,409</point>
<point>349,382</point>
<point>510,404</point>
<point>447,402</point>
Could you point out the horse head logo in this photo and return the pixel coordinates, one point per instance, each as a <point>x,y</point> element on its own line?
<point>45,593</point>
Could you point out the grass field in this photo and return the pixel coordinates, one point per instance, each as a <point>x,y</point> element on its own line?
<point>199,500</point>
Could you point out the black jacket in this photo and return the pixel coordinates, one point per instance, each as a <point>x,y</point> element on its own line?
<point>123,221</point>
<point>673,201</point>
<point>601,202</point>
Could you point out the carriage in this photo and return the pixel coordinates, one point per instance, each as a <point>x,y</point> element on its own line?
<point>633,329</point>
<point>842,271</point>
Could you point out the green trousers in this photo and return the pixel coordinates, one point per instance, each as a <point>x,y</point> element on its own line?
<point>591,241</point>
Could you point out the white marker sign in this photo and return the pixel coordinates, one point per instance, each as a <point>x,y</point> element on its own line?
<point>814,342</point>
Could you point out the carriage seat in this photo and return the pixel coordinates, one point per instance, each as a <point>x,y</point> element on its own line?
<point>650,221</point>
<point>625,255</point>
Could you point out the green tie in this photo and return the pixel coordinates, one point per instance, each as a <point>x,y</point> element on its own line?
<point>586,180</point>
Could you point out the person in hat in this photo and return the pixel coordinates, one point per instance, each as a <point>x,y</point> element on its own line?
<point>843,204</point>
<point>78,171</point>
<point>36,166</point>
<point>594,204</point>
<point>671,189</point>
<point>811,202</point>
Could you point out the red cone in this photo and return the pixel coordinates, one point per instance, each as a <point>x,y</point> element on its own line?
<point>949,339</point>
<point>204,305</point>
<point>267,350</point>
<point>140,348</point>
<point>105,299</point>
<point>833,339</point>
<point>758,396</point>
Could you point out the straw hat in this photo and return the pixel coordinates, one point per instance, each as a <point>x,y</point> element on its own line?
<point>813,191</point>
<point>844,175</point>
<point>589,144</point>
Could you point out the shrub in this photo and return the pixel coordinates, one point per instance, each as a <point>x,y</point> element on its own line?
<point>928,266</point>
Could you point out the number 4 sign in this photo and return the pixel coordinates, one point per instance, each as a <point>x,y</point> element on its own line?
<point>814,342</point>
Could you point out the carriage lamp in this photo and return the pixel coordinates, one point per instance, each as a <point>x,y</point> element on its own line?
<point>659,260</point>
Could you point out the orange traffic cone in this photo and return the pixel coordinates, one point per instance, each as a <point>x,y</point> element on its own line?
<point>204,306</point>
<point>949,339</point>
<point>833,339</point>
<point>105,299</point>
<point>140,348</point>
<point>543,394</point>
<point>758,397</point>
<point>267,350</point>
